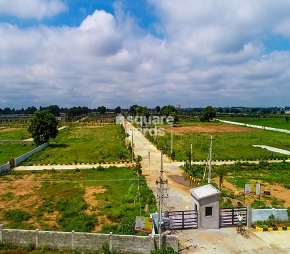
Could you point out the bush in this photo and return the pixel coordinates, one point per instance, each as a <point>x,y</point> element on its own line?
<point>288,213</point>
<point>168,250</point>
<point>17,215</point>
<point>79,222</point>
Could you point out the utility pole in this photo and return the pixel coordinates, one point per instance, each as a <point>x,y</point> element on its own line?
<point>171,141</point>
<point>190,155</point>
<point>132,147</point>
<point>162,192</point>
<point>210,157</point>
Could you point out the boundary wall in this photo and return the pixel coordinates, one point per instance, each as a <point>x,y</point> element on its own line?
<point>17,161</point>
<point>126,244</point>
<point>4,167</point>
<point>263,214</point>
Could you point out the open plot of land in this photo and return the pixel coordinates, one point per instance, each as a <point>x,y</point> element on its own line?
<point>13,133</point>
<point>208,129</point>
<point>229,142</point>
<point>14,150</point>
<point>274,122</point>
<point>81,200</point>
<point>84,144</point>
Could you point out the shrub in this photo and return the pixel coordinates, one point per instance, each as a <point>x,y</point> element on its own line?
<point>288,213</point>
<point>80,222</point>
<point>17,215</point>
<point>168,250</point>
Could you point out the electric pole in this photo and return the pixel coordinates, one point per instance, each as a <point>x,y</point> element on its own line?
<point>162,193</point>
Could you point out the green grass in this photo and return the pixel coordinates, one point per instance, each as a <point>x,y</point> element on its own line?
<point>10,151</point>
<point>274,122</point>
<point>14,134</point>
<point>84,144</point>
<point>62,193</point>
<point>226,145</point>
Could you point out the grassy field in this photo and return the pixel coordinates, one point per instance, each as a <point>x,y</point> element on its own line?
<point>228,145</point>
<point>13,150</point>
<point>9,151</point>
<point>84,144</point>
<point>274,122</point>
<point>92,200</point>
<point>14,134</point>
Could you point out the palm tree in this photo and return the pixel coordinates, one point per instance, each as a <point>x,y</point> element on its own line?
<point>221,171</point>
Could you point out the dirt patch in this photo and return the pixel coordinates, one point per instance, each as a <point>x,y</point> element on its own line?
<point>208,129</point>
<point>90,196</point>
<point>19,193</point>
<point>102,220</point>
<point>276,190</point>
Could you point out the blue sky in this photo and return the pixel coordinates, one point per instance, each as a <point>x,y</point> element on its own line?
<point>146,52</point>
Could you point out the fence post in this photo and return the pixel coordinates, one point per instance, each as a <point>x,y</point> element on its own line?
<point>73,240</point>
<point>111,241</point>
<point>1,228</point>
<point>249,215</point>
<point>36,238</point>
<point>150,242</point>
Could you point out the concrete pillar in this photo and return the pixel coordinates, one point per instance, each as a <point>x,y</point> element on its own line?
<point>73,240</point>
<point>249,215</point>
<point>111,241</point>
<point>150,243</point>
<point>1,236</point>
<point>36,238</point>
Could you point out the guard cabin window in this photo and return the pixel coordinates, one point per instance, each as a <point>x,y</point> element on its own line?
<point>208,211</point>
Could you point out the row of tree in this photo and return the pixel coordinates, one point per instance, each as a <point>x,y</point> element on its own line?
<point>56,110</point>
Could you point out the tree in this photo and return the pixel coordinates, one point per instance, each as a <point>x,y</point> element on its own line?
<point>169,111</point>
<point>118,110</point>
<point>208,114</point>
<point>43,126</point>
<point>102,110</point>
<point>132,110</point>
<point>53,109</point>
<point>221,171</point>
<point>157,109</point>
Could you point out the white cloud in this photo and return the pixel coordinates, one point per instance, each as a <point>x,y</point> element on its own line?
<point>37,9</point>
<point>209,54</point>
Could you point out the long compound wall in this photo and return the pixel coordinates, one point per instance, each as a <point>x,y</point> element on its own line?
<point>23,157</point>
<point>18,160</point>
<point>85,241</point>
<point>4,167</point>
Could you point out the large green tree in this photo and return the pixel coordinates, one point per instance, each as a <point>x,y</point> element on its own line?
<point>208,114</point>
<point>170,110</point>
<point>43,126</point>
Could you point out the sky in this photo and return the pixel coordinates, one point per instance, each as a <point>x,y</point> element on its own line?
<point>192,53</point>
